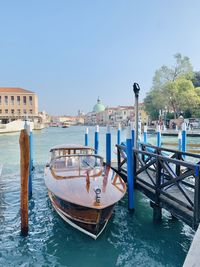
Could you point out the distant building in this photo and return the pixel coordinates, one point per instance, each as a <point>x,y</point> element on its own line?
<point>96,116</point>
<point>99,107</point>
<point>71,120</point>
<point>114,115</point>
<point>17,103</point>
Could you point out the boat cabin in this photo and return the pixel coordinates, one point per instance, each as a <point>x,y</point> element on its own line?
<point>63,150</point>
<point>74,161</point>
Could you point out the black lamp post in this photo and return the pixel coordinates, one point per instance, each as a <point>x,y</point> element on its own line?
<point>136,89</point>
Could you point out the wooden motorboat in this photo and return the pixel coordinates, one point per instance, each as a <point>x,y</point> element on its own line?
<point>81,188</point>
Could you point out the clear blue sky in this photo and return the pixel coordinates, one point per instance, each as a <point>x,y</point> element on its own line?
<point>71,52</point>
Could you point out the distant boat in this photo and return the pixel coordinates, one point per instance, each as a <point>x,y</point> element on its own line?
<point>54,124</point>
<point>82,190</point>
<point>65,125</point>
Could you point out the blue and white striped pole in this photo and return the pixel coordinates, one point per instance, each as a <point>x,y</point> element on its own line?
<point>96,140</point>
<point>139,130</point>
<point>179,140</point>
<point>27,127</point>
<point>130,174</point>
<point>145,134</point>
<point>108,146</point>
<point>184,134</point>
<point>158,136</point>
<point>86,136</point>
<point>132,133</point>
<point>31,163</point>
<point>119,134</point>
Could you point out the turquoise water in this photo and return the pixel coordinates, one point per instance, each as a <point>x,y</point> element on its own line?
<point>129,239</point>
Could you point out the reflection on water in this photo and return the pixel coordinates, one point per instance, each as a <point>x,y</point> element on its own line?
<point>129,239</point>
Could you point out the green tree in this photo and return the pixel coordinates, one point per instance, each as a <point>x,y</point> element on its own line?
<point>196,79</point>
<point>172,88</point>
<point>181,68</point>
<point>181,95</point>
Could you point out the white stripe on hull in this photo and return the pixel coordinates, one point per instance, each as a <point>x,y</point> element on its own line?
<point>62,215</point>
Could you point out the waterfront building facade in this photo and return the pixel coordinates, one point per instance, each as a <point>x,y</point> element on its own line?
<point>17,103</point>
<point>114,116</point>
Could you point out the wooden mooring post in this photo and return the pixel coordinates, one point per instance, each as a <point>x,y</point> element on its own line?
<point>24,172</point>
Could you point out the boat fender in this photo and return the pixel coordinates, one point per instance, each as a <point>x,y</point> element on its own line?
<point>97,191</point>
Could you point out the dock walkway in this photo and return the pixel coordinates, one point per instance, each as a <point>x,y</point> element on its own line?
<point>169,178</point>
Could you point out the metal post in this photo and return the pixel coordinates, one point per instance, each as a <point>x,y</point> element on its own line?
<point>136,89</point>
<point>184,137</point>
<point>86,137</point>
<point>145,134</point>
<point>108,146</point>
<point>130,175</point>
<point>119,134</point>
<point>158,136</point>
<point>96,140</point>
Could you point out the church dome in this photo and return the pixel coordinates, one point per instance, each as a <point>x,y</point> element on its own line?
<point>98,107</point>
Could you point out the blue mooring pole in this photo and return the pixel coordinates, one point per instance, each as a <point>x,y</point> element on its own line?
<point>158,136</point>
<point>86,137</point>
<point>145,134</point>
<point>119,134</point>
<point>179,141</point>
<point>31,164</point>
<point>130,174</point>
<point>29,132</point>
<point>132,134</point>
<point>108,146</point>
<point>184,137</point>
<point>96,140</point>
<point>139,130</point>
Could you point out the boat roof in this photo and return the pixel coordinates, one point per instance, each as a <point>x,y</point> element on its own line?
<point>70,146</point>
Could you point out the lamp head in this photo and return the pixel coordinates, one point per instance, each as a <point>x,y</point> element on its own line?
<point>136,89</point>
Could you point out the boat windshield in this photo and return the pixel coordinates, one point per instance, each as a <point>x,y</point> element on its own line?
<point>63,152</point>
<point>77,165</point>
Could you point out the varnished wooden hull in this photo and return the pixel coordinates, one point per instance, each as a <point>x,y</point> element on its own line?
<point>87,220</point>
<point>82,189</point>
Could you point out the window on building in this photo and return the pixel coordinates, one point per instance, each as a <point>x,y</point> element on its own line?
<point>18,100</point>
<point>0,100</point>
<point>0,111</point>
<point>24,111</point>
<point>6,111</point>
<point>30,100</point>
<point>12,100</point>
<point>18,111</point>
<point>12,111</point>
<point>24,100</point>
<point>6,100</point>
<point>31,111</point>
